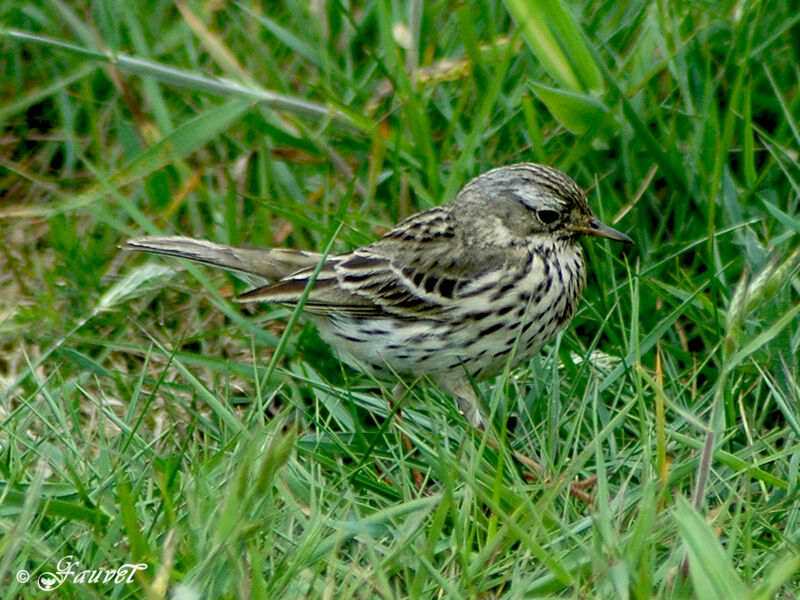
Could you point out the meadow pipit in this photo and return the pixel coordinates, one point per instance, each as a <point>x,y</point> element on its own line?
<point>454,292</point>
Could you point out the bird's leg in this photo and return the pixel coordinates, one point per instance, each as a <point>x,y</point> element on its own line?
<point>461,389</point>
<point>397,396</point>
<point>535,472</point>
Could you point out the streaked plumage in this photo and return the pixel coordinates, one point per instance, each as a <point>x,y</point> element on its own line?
<point>459,289</point>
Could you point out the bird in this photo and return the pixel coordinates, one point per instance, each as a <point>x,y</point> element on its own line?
<point>455,292</point>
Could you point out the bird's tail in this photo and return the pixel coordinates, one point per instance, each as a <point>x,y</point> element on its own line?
<point>270,264</point>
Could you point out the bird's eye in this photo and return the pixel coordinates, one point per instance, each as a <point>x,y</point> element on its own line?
<point>548,217</point>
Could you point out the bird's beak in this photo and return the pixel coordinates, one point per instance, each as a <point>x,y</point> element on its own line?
<point>597,228</point>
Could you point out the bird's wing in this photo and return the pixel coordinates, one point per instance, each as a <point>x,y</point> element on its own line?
<point>420,269</point>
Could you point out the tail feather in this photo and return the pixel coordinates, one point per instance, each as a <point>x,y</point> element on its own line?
<point>270,264</point>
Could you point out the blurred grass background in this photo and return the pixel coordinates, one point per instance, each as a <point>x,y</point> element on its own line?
<point>145,418</point>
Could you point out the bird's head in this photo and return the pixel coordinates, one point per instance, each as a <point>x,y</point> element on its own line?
<point>530,200</point>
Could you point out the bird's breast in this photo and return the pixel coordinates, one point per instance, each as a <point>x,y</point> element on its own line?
<point>509,314</point>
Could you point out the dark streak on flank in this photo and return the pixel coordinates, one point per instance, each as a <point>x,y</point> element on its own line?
<point>506,309</point>
<point>490,329</point>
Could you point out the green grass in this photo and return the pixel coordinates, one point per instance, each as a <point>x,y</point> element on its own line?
<point>145,418</point>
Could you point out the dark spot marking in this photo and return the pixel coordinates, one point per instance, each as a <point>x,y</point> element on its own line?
<point>479,315</point>
<point>418,277</point>
<point>373,331</point>
<point>446,287</point>
<point>350,338</point>
<point>507,308</point>
<point>503,290</point>
<point>485,287</point>
<point>419,338</point>
<point>490,329</point>
<point>501,353</point>
<point>430,283</point>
